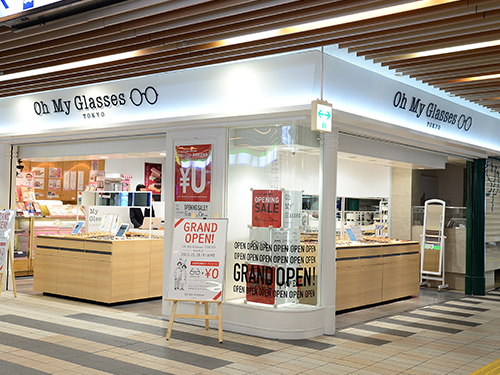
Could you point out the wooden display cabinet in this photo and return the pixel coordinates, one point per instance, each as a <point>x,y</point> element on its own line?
<point>98,270</point>
<point>369,274</point>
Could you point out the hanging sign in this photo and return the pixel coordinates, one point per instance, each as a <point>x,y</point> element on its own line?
<point>267,208</point>
<point>13,7</point>
<point>197,261</point>
<point>321,116</point>
<point>6,231</point>
<point>193,175</point>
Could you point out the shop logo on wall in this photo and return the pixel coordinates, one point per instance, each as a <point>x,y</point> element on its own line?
<point>436,116</point>
<point>93,107</point>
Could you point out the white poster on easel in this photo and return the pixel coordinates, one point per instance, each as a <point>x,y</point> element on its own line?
<point>6,231</point>
<point>197,262</point>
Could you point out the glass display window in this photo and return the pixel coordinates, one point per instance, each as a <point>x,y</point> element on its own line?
<point>273,200</point>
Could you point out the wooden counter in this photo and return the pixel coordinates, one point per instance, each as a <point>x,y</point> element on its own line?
<point>103,271</point>
<point>368,274</point>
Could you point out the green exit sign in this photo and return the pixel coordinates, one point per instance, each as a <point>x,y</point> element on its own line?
<point>321,116</point>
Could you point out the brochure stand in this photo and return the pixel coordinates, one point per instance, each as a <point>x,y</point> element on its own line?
<point>210,260</point>
<point>432,244</point>
<point>6,239</point>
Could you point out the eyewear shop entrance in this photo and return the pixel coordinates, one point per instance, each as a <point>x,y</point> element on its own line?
<point>317,223</point>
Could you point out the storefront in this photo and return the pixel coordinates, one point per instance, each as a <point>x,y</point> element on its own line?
<point>284,188</point>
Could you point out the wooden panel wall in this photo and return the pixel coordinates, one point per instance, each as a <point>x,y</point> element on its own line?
<point>52,186</point>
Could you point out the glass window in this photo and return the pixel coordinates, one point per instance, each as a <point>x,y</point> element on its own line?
<point>273,211</point>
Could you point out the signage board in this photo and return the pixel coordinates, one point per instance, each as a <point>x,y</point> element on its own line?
<point>197,261</point>
<point>6,232</point>
<point>321,116</point>
<point>12,7</point>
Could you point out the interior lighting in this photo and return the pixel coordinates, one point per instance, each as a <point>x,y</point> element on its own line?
<point>415,5</point>
<point>441,51</point>
<point>68,66</point>
<point>335,21</point>
<point>477,78</point>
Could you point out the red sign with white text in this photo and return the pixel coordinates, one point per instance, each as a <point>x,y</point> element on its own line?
<point>266,211</point>
<point>193,166</point>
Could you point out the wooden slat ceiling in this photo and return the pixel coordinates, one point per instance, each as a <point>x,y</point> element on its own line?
<point>160,36</point>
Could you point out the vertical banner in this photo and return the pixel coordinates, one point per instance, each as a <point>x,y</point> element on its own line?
<point>267,205</point>
<point>260,275</point>
<point>6,233</point>
<point>152,177</point>
<point>197,262</point>
<point>193,174</point>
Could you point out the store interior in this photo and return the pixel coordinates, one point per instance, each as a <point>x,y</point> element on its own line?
<point>372,193</point>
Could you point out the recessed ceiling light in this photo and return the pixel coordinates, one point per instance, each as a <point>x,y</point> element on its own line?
<point>163,154</point>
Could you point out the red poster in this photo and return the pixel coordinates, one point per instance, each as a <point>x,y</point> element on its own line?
<point>260,284</point>
<point>266,211</point>
<point>193,165</point>
<point>152,177</point>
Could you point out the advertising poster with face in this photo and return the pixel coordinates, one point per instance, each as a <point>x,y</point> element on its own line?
<point>197,261</point>
<point>152,177</point>
<point>193,175</point>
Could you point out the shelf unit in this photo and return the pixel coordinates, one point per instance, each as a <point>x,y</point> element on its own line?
<point>27,229</point>
<point>365,212</point>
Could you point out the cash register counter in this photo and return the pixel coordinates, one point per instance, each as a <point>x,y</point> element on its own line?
<point>374,273</point>
<point>107,271</point>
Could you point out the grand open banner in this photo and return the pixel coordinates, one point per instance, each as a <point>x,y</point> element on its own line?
<point>198,258</point>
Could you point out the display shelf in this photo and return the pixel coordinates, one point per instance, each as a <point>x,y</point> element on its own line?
<point>27,229</point>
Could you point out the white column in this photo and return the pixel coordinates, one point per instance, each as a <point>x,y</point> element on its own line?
<point>5,189</point>
<point>327,234</point>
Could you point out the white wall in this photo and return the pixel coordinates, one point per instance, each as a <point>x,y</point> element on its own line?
<point>362,180</point>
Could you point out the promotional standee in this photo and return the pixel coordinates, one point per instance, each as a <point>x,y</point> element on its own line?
<point>6,237</point>
<point>197,267</point>
<point>193,177</point>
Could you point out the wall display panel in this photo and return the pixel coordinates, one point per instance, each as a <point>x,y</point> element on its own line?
<point>492,215</point>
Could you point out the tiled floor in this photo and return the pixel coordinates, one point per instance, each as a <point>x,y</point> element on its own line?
<point>435,333</point>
